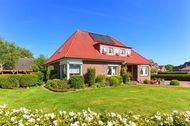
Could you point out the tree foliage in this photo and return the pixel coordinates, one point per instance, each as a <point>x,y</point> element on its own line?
<point>10,53</point>
<point>38,64</point>
<point>125,74</point>
<point>169,67</point>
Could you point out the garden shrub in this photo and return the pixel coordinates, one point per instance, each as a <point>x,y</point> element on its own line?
<point>101,78</point>
<point>180,77</point>
<point>76,81</point>
<point>9,81</point>
<point>41,77</point>
<point>113,81</point>
<point>23,116</point>
<point>90,76</point>
<point>146,81</point>
<point>58,85</point>
<point>54,76</point>
<point>174,82</point>
<point>126,76</point>
<point>28,80</point>
<point>99,85</point>
<point>119,78</point>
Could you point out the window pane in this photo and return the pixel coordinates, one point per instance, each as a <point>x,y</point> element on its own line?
<point>74,69</point>
<point>109,70</point>
<point>112,70</point>
<point>144,70</point>
<point>110,50</point>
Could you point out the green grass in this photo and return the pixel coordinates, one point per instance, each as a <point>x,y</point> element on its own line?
<point>139,99</point>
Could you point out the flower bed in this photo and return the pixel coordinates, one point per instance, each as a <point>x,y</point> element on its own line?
<point>24,116</point>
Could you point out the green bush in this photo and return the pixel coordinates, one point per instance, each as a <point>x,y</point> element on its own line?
<point>146,81</point>
<point>9,81</point>
<point>90,76</point>
<point>174,82</point>
<point>54,76</point>
<point>40,75</point>
<point>28,80</point>
<point>126,76</point>
<point>58,85</point>
<point>99,85</point>
<point>76,81</point>
<point>113,81</point>
<point>180,77</point>
<point>119,78</point>
<point>101,78</point>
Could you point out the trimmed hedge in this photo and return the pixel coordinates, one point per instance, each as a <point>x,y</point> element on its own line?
<point>174,82</point>
<point>180,77</point>
<point>10,81</point>
<point>58,85</point>
<point>28,80</point>
<point>76,81</point>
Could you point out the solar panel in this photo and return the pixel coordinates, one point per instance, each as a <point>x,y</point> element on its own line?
<point>101,38</point>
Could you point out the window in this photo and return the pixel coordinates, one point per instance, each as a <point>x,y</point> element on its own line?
<point>74,69</point>
<point>110,50</point>
<point>104,50</point>
<point>144,70</point>
<point>112,70</point>
<point>122,52</point>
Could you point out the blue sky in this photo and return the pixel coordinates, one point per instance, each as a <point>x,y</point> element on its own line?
<point>157,29</point>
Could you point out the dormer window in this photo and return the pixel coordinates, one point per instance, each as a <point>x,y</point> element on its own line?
<point>122,52</point>
<point>110,50</point>
<point>104,50</point>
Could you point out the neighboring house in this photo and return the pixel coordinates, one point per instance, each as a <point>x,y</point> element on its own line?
<point>183,68</point>
<point>106,54</point>
<point>162,68</point>
<point>23,65</point>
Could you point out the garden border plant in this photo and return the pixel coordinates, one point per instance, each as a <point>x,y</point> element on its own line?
<point>87,117</point>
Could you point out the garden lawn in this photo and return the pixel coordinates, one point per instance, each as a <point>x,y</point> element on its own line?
<point>139,99</point>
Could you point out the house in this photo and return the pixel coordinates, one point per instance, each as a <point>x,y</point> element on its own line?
<point>183,68</point>
<point>106,54</point>
<point>23,65</point>
<point>162,68</point>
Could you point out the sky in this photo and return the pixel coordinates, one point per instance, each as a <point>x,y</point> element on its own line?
<point>157,29</point>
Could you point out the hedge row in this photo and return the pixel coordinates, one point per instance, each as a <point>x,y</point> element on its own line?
<point>10,81</point>
<point>180,77</point>
<point>172,72</point>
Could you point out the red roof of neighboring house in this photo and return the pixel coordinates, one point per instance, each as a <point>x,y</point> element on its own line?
<point>81,45</point>
<point>187,68</point>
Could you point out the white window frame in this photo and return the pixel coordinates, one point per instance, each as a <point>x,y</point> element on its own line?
<point>116,72</point>
<point>122,50</point>
<point>104,50</point>
<point>110,48</point>
<point>68,62</point>
<point>144,69</point>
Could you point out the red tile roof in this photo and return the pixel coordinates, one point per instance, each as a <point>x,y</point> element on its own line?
<point>81,45</point>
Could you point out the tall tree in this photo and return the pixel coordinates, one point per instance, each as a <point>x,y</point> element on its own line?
<point>169,67</point>
<point>39,63</point>
<point>10,53</point>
